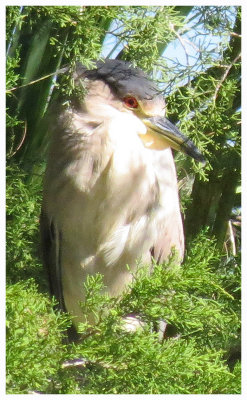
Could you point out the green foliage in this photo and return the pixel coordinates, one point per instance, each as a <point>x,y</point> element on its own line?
<point>14,124</point>
<point>48,38</point>
<point>144,31</point>
<point>200,302</point>
<point>125,363</point>
<point>215,124</point>
<point>208,108</point>
<point>204,89</point>
<point>22,220</point>
<point>34,338</point>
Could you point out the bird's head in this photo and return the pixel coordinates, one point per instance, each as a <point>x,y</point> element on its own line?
<point>116,85</point>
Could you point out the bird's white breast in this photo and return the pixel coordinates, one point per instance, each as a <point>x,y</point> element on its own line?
<point>109,202</point>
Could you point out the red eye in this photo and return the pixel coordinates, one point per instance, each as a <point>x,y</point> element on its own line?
<point>130,102</point>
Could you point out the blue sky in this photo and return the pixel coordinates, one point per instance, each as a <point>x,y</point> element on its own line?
<point>183,51</point>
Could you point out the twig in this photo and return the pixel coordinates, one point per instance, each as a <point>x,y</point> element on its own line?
<point>224,76</point>
<point>22,139</point>
<point>235,35</point>
<point>30,83</point>
<point>193,45</point>
<point>82,363</point>
<point>232,238</point>
<point>38,80</point>
<point>181,40</point>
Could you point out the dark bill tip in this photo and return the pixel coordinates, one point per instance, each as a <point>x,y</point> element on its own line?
<point>177,140</point>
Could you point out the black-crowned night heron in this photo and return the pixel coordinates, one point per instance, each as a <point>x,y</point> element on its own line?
<point>110,190</point>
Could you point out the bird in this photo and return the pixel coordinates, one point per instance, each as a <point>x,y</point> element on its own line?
<point>110,195</point>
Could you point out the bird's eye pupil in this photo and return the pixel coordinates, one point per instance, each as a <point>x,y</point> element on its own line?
<point>131,102</point>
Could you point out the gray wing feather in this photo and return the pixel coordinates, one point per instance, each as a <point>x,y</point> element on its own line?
<point>50,247</point>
